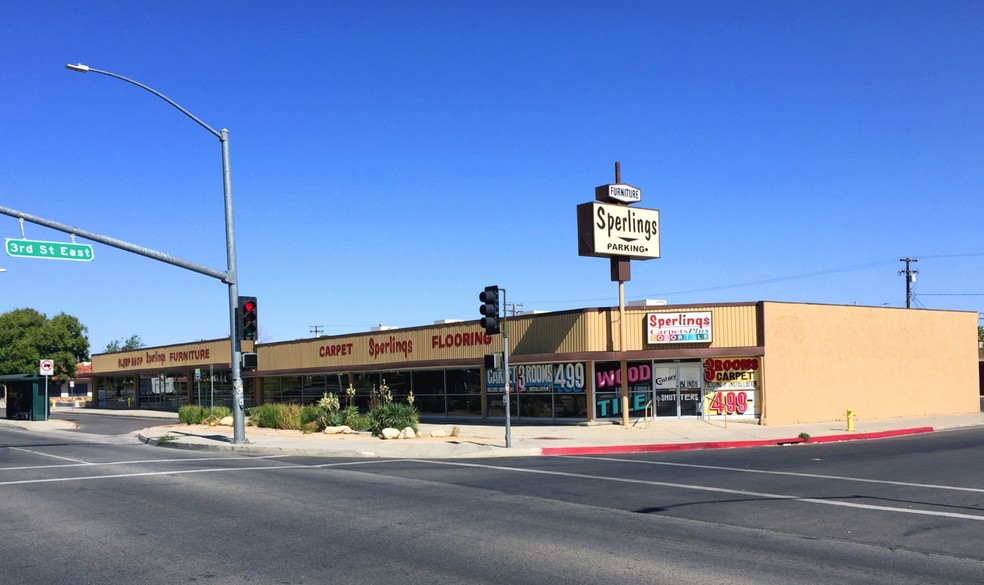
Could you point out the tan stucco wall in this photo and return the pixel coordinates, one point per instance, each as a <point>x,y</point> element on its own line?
<point>821,360</point>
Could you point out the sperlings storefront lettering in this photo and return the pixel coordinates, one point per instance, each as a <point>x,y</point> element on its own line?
<point>731,386</point>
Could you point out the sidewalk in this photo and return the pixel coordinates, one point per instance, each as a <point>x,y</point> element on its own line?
<point>488,440</point>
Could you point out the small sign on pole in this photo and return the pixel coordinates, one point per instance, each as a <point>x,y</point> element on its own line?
<point>47,369</point>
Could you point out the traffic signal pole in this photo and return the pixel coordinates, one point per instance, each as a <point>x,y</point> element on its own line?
<point>505,371</point>
<point>493,324</point>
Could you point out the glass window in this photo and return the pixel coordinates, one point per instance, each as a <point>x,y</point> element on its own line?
<point>291,389</point>
<point>399,384</point>
<point>271,389</point>
<point>608,394</point>
<point>464,381</point>
<point>428,392</point>
<point>312,388</point>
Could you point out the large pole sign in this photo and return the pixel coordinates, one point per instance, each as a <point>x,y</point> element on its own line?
<point>609,228</point>
<point>605,231</point>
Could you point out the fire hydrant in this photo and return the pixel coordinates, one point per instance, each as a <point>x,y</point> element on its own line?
<point>850,420</point>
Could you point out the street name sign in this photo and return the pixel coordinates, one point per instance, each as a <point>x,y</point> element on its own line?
<point>50,250</point>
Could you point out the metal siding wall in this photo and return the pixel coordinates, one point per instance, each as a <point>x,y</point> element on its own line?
<point>578,331</point>
<point>554,333</point>
<point>731,326</point>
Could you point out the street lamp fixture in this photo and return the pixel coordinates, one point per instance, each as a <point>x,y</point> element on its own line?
<point>230,277</point>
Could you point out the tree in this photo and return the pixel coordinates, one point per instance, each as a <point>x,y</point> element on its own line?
<point>27,337</point>
<point>119,345</point>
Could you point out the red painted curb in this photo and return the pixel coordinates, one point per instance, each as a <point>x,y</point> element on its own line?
<point>656,448</point>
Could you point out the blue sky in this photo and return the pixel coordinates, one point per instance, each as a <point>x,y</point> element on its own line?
<point>390,159</point>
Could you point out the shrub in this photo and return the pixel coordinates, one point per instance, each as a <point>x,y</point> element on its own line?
<point>329,403</point>
<point>351,417</point>
<point>310,413</point>
<point>219,412</point>
<point>265,415</point>
<point>395,415</point>
<point>190,414</point>
<point>289,417</point>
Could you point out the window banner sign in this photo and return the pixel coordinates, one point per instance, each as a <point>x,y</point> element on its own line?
<point>608,388</point>
<point>541,378</point>
<point>692,327</point>
<point>731,386</point>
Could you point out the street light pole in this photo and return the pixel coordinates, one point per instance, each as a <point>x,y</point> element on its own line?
<point>231,277</point>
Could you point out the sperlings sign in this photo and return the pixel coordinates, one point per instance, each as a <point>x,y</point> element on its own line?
<point>693,327</point>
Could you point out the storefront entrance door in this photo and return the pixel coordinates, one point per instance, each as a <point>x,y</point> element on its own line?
<point>676,389</point>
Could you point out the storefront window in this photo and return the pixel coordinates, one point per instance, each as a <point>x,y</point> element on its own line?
<point>428,392</point>
<point>608,388</point>
<point>291,389</point>
<point>271,389</point>
<point>312,388</point>
<point>551,390</point>
<point>464,391</point>
<point>399,384</point>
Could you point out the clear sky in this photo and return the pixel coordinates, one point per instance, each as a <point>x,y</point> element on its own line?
<point>390,159</point>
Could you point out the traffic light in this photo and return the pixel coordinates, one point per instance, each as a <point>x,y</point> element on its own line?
<point>248,327</point>
<point>490,309</point>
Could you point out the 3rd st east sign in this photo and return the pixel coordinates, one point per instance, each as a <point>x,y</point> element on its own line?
<point>49,250</point>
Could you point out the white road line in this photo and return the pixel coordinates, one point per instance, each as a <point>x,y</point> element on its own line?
<point>788,473</point>
<point>134,462</point>
<point>189,471</point>
<point>49,455</point>
<point>683,486</point>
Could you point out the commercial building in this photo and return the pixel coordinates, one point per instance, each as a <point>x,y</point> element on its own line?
<point>772,362</point>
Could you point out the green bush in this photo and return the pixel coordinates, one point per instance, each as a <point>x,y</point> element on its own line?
<point>265,416</point>
<point>310,413</point>
<point>219,412</point>
<point>395,415</point>
<point>289,417</point>
<point>190,414</point>
<point>351,417</point>
<point>194,414</point>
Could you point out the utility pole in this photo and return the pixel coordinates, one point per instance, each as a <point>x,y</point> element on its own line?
<point>910,277</point>
<point>512,307</point>
<point>316,330</point>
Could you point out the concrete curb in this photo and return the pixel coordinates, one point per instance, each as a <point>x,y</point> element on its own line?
<point>623,449</point>
<point>491,451</point>
<point>387,451</point>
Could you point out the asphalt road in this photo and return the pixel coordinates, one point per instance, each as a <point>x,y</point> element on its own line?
<point>85,508</point>
<point>100,424</point>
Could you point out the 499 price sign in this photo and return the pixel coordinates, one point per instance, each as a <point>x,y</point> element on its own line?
<point>731,385</point>
<point>567,377</point>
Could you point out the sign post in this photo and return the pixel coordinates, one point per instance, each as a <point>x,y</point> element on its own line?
<point>47,369</point>
<point>609,228</point>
